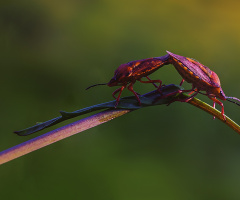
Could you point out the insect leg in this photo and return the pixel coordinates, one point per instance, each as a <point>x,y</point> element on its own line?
<point>181,82</point>
<point>119,95</point>
<point>153,82</point>
<point>214,107</point>
<point>188,98</point>
<point>115,92</point>
<point>130,88</point>
<point>179,92</point>
<point>220,103</point>
<point>214,103</point>
<point>192,91</point>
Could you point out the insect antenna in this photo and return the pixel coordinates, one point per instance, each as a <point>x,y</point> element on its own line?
<point>95,85</point>
<point>233,101</point>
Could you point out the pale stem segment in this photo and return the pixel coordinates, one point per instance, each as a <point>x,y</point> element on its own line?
<point>59,134</point>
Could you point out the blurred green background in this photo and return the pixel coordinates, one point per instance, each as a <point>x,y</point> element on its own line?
<point>52,50</point>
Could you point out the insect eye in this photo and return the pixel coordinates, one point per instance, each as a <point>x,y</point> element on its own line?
<point>222,94</point>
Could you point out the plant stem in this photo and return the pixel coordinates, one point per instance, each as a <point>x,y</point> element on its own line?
<point>92,121</point>
<point>209,109</point>
<point>59,134</point>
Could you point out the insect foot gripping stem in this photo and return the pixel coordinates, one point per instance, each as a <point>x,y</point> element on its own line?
<point>214,99</point>
<point>119,90</point>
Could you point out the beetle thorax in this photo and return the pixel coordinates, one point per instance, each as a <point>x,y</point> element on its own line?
<point>121,76</point>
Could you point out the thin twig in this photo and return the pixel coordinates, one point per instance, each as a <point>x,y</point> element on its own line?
<point>59,134</point>
<point>214,112</point>
<point>100,118</point>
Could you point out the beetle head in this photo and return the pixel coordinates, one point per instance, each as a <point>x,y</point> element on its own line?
<point>113,82</point>
<point>216,89</point>
<point>217,92</point>
<point>121,75</point>
<point>117,80</point>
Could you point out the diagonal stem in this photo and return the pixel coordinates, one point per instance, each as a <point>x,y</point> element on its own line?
<point>214,112</point>
<point>59,134</point>
<point>95,120</point>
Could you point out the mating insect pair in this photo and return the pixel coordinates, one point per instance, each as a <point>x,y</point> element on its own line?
<point>200,76</point>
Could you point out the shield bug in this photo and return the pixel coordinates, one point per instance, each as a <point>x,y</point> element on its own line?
<point>127,74</point>
<point>202,79</point>
<point>200,76</point>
